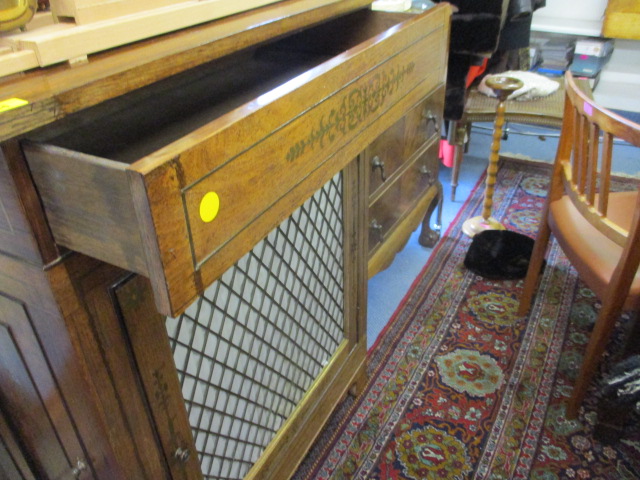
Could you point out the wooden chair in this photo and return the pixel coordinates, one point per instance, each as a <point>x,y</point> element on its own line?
<point>598,230</point>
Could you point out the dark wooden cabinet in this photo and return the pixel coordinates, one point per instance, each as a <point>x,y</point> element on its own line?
<point>147,333</point>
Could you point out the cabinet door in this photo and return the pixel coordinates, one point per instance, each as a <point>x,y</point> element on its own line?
<point>13,462</point>
<point>37,413</point>
<point>241,382</point>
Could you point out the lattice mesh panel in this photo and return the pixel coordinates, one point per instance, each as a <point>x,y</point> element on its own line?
<point>250,347</point>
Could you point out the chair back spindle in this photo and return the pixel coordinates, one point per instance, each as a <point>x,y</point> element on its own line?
<point>592,164</point>
<point>585,153</point>
<point>605,175</point>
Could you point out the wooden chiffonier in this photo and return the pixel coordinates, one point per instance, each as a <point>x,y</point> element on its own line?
<point>186,236</point>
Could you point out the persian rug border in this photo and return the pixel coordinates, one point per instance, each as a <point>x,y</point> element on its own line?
<point>392,334</point>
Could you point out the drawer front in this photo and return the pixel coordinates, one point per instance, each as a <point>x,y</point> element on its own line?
<point>402,195</point>
<point>233,180</point>
<point>397,144</point>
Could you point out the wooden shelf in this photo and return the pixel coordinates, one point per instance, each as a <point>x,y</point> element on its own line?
<point>567,26</point>
<point>560,16</point>
<point>59,90</point>
<point>68,41</point>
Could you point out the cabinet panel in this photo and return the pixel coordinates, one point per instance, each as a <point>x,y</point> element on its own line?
<point>239,381</point>
<point>44,318</point>
<point>13,459</point>
<point>115,375</point>
<point>30,394</point>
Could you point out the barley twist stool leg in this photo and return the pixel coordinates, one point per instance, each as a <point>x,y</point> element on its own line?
<point>503,87</point>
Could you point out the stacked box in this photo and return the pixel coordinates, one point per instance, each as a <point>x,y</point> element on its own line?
<point>590,56</point>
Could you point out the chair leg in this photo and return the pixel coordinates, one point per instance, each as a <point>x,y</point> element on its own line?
<point>455,173</point>
<point>604,325</point>
<point>535,264</point>
<point>458,138</point>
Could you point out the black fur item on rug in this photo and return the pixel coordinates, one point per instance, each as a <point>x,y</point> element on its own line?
<point>499,254</point>
<point>619,405</point>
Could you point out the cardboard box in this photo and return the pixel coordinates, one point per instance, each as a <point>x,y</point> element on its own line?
<point>621,19</point>
<point>588,65</point>
<point>594,47</point>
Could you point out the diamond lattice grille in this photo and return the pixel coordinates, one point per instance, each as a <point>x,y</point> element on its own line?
<point>250,347</point>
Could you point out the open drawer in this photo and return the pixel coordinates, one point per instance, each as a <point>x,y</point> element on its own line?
<point>178,180</point>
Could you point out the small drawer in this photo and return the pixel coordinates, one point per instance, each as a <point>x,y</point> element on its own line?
<point>178,180</point>
<point>399,199</point>
<point>398,143</point>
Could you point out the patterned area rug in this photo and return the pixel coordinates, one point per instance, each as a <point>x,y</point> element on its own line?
<point>460,388</point>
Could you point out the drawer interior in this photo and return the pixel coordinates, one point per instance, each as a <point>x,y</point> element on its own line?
<point>137,124</point>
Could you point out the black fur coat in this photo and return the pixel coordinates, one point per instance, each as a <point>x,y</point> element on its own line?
<point>475,32</point>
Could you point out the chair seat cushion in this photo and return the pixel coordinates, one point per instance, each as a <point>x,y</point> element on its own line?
<point>592,254</point>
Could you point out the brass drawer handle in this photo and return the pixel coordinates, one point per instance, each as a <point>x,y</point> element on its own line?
<point>182,454</point>
<point>375,226</point>
<point>79,468</point>
<point>429,116</point>
<point>424,170</point>
<point>377,163</point>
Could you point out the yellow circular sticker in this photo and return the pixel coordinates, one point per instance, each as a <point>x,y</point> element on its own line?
<point>209,207</point>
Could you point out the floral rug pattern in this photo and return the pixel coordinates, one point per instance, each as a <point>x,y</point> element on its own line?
<point>461,388</point>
